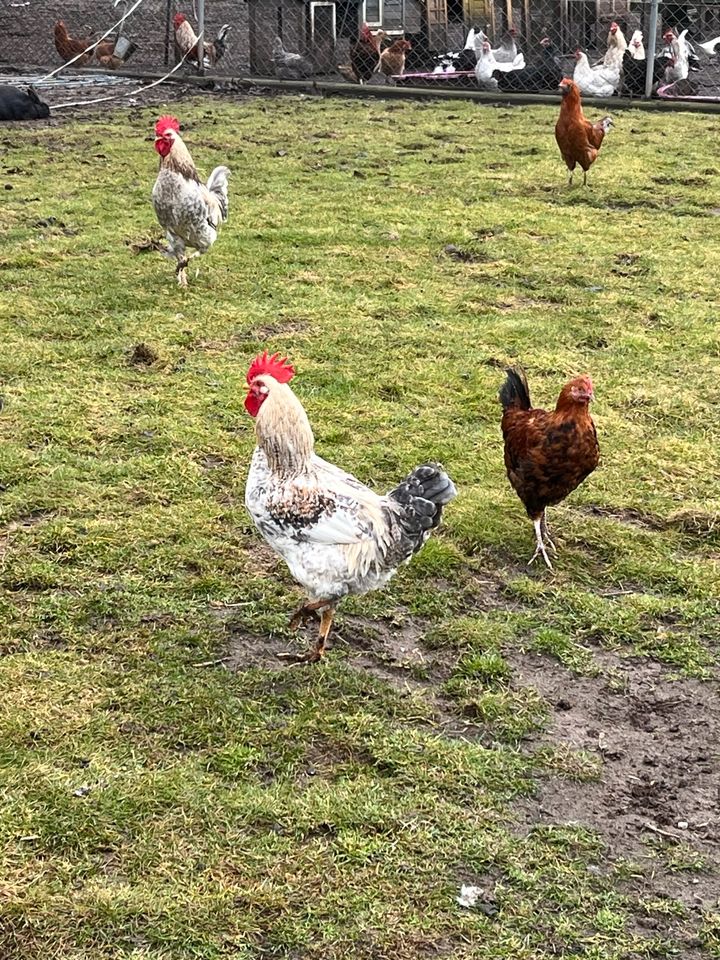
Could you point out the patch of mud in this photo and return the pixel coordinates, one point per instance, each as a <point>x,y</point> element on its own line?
<point>261,333</point>
<point>248,651</point>
<point>658,740</point>
<point>635,518</point>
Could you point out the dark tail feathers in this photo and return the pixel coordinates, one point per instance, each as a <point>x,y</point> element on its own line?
<point>423,493</point>
<point>515,391</point>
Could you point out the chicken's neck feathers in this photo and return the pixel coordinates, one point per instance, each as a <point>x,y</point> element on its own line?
<point>180,161</point>
<point>284,433</point>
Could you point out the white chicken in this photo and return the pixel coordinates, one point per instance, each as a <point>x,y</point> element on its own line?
<point>600,81</point>
<point>336,535</point>
<point>487,65</point>
<point>678,66</point>
<point>616,47</point>
<point>710,46</point>
<point>507,52</point>
<point>636,47</point>
<point>190,211</point>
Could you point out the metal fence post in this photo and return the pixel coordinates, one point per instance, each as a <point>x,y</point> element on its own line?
<point>201,34</point>
<point>650,54</point>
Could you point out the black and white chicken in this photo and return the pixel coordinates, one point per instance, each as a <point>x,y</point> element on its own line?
<point>336,535</point>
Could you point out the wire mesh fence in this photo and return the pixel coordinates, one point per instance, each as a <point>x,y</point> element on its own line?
<point>505,45</point>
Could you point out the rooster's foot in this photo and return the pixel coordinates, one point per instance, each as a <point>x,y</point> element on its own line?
<point>295,659</point>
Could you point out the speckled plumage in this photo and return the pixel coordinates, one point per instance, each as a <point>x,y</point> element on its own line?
<point>336,535</point>
<point>190,211</point>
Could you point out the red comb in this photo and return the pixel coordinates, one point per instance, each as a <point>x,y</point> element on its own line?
<point>275,366</point>
<point>167,123</point>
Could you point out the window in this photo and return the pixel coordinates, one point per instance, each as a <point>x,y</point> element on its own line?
<point>373,12</point>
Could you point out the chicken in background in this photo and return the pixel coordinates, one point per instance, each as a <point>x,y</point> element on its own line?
<point>578,139</point>
<point>636,47</point>
<point>507,52</point>
<point>336,535</point>
<point>190,211</point>
<point>69,47</point>
<point>710,46</point>
<point>616,47</point>
<point>392,58</point>
<point>487,65</point>
<point>635,66</point>
<point>186,43</point>
<point>600,81</point>
<point>365,54</point>
<point>541,74</point>
<point>678,64</point>
<point>547,454</point>
<point>289,66</point>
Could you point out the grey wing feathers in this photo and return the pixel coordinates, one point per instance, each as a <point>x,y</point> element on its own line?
<point>217,185</point>
<point>422,496</point>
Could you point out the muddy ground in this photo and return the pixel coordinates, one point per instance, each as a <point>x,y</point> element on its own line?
<point>655,737</point>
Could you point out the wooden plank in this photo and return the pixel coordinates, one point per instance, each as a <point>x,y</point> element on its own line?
<point>437,24</point>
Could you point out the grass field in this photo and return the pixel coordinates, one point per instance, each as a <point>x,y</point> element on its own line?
<point>169,788</point>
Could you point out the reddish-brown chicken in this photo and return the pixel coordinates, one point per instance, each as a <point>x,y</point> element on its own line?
<point>392,59</point>
<point>69,47</point>
<point>578,139</point>
<point>547,454</point>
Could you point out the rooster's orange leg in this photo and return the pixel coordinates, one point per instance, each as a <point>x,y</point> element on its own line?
<point>326,622</point>
<point>305,612</point>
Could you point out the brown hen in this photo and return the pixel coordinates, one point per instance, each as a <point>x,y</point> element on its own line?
<point>547,453</point>
<point>578,139</point>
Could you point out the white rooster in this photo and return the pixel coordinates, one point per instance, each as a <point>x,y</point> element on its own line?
<point>636,47</point>
<point>336,535</point>
<point>616,47</point>
<point>190,211</point>
<point>598,81</point>
<point>487,65</point>
<point>678,66</point>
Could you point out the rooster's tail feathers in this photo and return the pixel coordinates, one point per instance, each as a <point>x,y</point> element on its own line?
<point>422,494</point>
<point>218,185</point>
<point>515,391</point>
<point>223,32</point>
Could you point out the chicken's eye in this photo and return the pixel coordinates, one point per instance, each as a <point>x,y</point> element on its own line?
<point>264,390</point>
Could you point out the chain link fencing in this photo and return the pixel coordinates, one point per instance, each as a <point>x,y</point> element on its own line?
<point>513,46</point>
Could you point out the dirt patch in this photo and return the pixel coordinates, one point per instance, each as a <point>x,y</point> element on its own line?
<point>658,742</point>
<point>143,355</point>
<point>248,651</point>
<point>250,336</point>
<point>635,518</point>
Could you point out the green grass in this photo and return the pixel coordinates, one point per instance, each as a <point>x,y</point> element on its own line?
<point>154,808</point>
